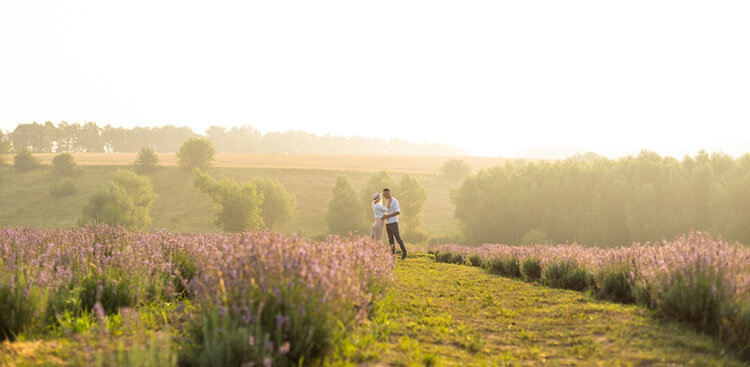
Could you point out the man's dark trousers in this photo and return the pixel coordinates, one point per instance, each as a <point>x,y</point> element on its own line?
<point>392,229</point>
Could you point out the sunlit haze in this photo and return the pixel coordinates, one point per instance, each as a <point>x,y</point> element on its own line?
<point>523,78</point>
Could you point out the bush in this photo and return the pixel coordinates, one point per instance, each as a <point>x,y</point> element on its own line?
<point>504,267</point>
<point>19,305</point>
<point>279,329</point>
<point>457,259</point>
<point>615,286</point>
<point>196,153</point>
<point>239,206</point>
<point>531,270</point>
<point>443,257</point>
<point>568,275</point>
<point>124,201</point>
<point>476,261</point>
<point>455,169</point>
<point>736,330</point>
<point>186,269</point>
<point>25,161</point>
<point>110,291</point>
<point>146,160</point>
<point>278,204</point>
<point>64,165</point>
<point>64,187</point>
<point>700,303</point>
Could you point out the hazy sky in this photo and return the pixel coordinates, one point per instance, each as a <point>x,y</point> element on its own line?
<point>493,77</point>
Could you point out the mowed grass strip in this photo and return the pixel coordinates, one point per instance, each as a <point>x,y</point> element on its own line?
<point>450,315</point>
<point>391,163</point>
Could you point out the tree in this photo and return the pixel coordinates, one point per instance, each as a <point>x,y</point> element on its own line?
<point>64,165</point>
<point>125,201</point>
<point>455,169</point>
<point>344,212</point>
<point>412,196</point>
<point>146,160</point>
<point>4,147</point>
<point>25,161</point>
<point>278,204</point>
<point>239,206</point>
<point>196,153</point>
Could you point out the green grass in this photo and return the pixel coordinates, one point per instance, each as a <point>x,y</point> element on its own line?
<point>450,315</point>
<point>26,201</point>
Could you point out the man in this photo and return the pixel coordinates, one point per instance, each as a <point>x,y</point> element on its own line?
<point>391,223</point>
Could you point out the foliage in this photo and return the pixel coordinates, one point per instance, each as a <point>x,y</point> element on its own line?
<point>196,153</point>
<point>451,315</point>
<point>5,147</point>
<point>238,205</point>
<point>297,297</point>
<point>125,201</point>
<point>64,165</point>
<point>90,137</point>
<point>279,205</point>
<point>20,302</point>
<point>344,212</point>
<point>146,160</point>
<point>412,196</point>
<point>606,202</point>
<point>25,161</point>
<point>64,187</point>
<point>455,169</point>
<point>695,279</point>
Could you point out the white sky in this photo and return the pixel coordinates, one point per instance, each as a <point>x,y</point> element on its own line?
<point>493,77</point>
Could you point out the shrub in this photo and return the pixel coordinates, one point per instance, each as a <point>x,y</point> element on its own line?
<point>615,285</point>
<point>239,206</point>
<point>111,291</point>
<point>186,269</point>
<point>64,187</point>
<point>20,302</point>
<point>506,267</point>
<point>278,203</point>
<point>736,330</point>
<point>531,270</point>
<point>285,328</point>
<point>124,201</point>
<point>443,257</point>
<point>455,169</point>
<point>25,161</point>
<point>146,160</point>
<point>699,302</point>
<point>476,260</point>
<point>456,259</point>
<point>567,275</point>
<point>64,165</point>
<point>196,153</point>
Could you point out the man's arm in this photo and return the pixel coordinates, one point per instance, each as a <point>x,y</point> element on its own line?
<point>391,215</point>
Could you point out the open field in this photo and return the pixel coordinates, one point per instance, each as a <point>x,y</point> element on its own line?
<point>395,163</point>
<point>25,199</point>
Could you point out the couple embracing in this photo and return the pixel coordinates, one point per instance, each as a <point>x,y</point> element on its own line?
<point>386,211</point>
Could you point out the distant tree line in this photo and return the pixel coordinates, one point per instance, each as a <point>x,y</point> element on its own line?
<point>90,137</point>
<point>598,201</point>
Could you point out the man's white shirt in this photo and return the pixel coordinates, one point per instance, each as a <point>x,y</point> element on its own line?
<point>392,208</point>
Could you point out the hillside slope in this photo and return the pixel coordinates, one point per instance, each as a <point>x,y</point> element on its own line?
<point>25,199</point>
<point>450,315</point>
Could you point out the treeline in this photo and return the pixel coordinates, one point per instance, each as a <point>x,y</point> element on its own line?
<point>90,137</point>
<point>599,201</point>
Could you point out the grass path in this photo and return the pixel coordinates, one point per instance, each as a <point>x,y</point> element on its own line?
<point>450,315</point>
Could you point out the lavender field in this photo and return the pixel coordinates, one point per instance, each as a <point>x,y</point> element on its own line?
<point>250,299</point>
<point>695,279</point>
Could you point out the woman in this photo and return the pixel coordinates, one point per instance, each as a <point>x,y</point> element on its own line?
<point>379,210</point>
